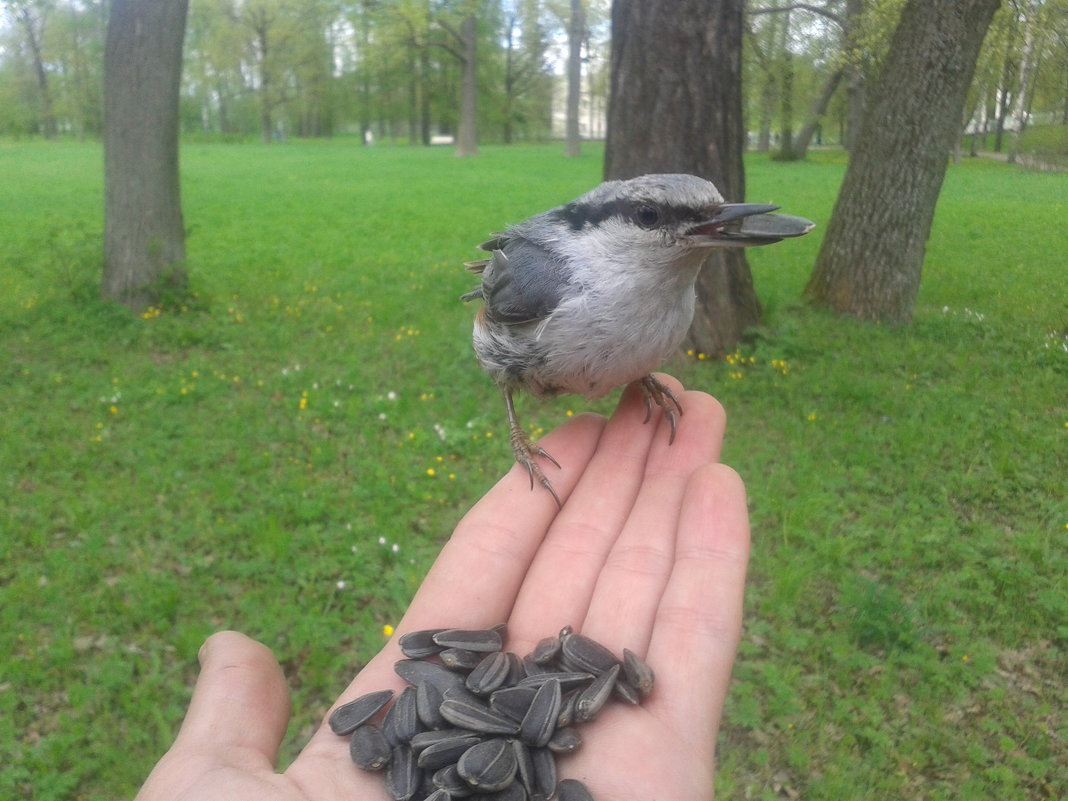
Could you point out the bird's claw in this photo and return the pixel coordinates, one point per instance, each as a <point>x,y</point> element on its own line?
<point>655,391</point>
<point>524,451</point>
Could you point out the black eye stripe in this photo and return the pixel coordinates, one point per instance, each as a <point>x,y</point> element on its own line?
<point>645,213</point>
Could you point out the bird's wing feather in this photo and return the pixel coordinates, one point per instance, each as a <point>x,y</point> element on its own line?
<point>521,281</point>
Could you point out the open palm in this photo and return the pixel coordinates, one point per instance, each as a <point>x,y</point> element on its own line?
<point>648,553</point>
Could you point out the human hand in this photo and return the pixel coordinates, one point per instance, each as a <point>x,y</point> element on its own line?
<point>648,552</point>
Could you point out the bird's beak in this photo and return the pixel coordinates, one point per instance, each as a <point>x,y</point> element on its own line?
<point>741,225</point>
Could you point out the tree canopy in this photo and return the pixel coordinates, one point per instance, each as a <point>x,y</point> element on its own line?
<point>393,69</point>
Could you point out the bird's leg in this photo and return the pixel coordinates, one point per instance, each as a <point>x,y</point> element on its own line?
<point>525,450</point>
<point>656,392</point>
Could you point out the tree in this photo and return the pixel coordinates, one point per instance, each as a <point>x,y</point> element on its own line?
<point>675,105</point>
<point>870,260</point>
<point>32,17</point>
<point>576,31</point>
<point>144,238</point>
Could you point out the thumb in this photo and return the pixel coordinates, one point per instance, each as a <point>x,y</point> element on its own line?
<point>240,705</point>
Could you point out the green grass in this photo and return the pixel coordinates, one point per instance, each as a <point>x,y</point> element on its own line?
<point>312,402</point>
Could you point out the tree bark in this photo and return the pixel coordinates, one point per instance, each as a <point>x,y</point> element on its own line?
<point>575,32</point>
<point>816,112</point>
<point>675,105</point>
<point>870,261</point>
<point>144,237</point>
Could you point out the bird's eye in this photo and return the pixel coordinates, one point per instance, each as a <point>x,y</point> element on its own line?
<point>647,216</point>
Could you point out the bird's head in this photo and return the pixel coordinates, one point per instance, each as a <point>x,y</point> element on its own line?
<point>675,211</point>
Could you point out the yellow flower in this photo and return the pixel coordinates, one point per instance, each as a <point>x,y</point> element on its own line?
<point>387,630</point>
<point>430,471</point>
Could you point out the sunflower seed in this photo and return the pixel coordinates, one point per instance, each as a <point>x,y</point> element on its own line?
<point>419,644</point>
<point>401,722</point>
<point>540,721</point>
<point>349,717</point>
<point>427,738</point>
<point>593,698</point>
<point>446,752</point>
<point>581,653</point>
<point>483,640</point>
<point>573,790</point>
<point>402,775</point>
<point>515,669</point>
<point>369,749</point>
<point>637,672</point>
<point>512,702</point>
<point>565,632</point>
<point>567,709</point>
<point>488,766</point>
<point>450,780</point>
<point>489,674</point>
<point>439,795</point>
<point>476,717</point>
<point>416,671</point>
<point>524,773</point>
<point>513,792</point>
<point>460,659</point>
<point>565,741</point>
<point>567,679</point>
<point>544,774</point>
<point>624,691</point>
<point>428,700</point>
<point>546,651</point>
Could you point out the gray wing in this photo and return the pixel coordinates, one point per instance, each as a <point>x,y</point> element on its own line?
<point>521,281</point>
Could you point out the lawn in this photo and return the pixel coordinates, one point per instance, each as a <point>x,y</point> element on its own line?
<point>284,448</point>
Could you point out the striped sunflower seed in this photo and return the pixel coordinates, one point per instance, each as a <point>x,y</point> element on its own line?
<point>546,651</point>
<point>450,780</point>
<point>349,717</point>
<point>544,783</point>
<point>592,700</point>
<point>401,722</point>
<point>489,766</point>
<point>419,644</point>
<point>427,738</point>
<point>476,717</point>
<point>625,691</point>
<point>580,653</point>
<point>447,751</point>
<point>513,702</point>
<point>416,671</point>
<point>488,674</point>
<point>568,679</point>
<point>565,741</point>
<point>637,672</point>
<point>369,749</point>
<point>402,775</point>
<point>439,795</point>
<point>482,640</point>
<point>460,659</point>
<point>428,700</point>
<point>513,792</point>
<point>540,721</point>
<point>573,790</point>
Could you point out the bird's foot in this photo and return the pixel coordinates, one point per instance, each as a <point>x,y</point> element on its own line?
<point>654,391</point>
<point>525,450</point>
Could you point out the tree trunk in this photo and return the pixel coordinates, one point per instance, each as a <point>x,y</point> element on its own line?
<point>33,26</point>
<point>575,32</point>
<point>144,237</point>
<point>675,105</point>
<point>870,261</point>
<point>816,112</point>
<point>1021,107</point>
<point>467,138</point>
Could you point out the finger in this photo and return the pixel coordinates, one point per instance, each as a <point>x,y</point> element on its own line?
<point>240,705</point>
<point>698,622</point>
<point>636,570</point>
<point>561,578</point>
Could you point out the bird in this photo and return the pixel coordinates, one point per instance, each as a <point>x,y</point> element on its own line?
<point>599,292</point>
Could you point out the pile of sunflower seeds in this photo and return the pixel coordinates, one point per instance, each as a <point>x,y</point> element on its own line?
<point>479,721</point>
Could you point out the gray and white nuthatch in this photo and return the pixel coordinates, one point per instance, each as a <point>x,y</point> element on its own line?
<point>598,293</point>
